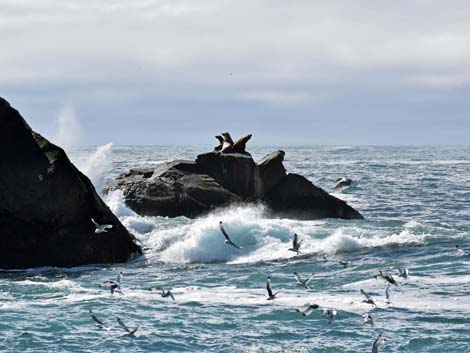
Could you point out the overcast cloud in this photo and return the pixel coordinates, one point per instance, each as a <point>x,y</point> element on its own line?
<point>290,72</point>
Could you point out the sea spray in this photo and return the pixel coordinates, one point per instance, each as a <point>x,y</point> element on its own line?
<point>97,165</point>
<point>69,131</point>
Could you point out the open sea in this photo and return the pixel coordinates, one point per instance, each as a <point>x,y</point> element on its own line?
<point>416,201</point>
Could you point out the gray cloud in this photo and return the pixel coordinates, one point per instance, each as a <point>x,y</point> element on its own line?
<point>284,69</point>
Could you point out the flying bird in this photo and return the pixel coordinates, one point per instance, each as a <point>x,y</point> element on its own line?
<point>461,252</point>
<point>379,341</point>
<point>127,329</point>
<point>99,323</point>
<point>368,319</point>
<point>403,273</point>
<point>296,244</point>
<point>227,238</point>
<point>114,286</point>
<point>344,263</point>
<point>368,299</point>
<point>101,228</point>
<point>329,314</point>
<point>271,296</point>
<point>303,282</point>
<point>387,294</point>
<point>386,277</point>
<point>307,309</point>
<point>343,182</point>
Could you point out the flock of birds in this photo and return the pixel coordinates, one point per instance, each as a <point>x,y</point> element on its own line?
<point>115,286</point>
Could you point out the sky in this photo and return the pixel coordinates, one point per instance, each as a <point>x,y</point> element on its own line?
<point>290,72</point>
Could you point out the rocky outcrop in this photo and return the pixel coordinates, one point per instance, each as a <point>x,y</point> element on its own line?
<point>46,205</point>
<point>173,189</point>
<point>296,197</point>
<point>218,179</point>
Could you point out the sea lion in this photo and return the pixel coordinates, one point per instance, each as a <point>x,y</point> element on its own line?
<point>221,142</point>
<point>228,142</point>
<point>240,145</point>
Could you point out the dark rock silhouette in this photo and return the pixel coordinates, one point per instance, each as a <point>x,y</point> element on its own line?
<point>220,178</point>
<point>46,205</point>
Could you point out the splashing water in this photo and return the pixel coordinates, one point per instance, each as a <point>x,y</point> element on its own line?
<point>69,131</point>
<point>97,165</point>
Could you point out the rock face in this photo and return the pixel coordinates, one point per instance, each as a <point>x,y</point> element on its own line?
<point>218,179</point>
<point>46,205</point>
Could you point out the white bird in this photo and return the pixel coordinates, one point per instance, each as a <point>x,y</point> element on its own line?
<point>387,294</point>
<point>303,282</point>
<point>329,314</point>
<point>271,296</point>
<point>227,238</point>
<point>368,299</point>
<point>368,319</point>
<point>296,244</point>
<point>127,329</point>
<point>307,309</point>
<point>379,341</point>
<point>403,273</point>
<point>461,252</point>
<point>101,228</point>
<point>114,286</point>
<point>99,323</point>
<point>343,182</point>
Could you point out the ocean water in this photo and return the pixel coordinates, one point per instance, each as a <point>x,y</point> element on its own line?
<point>416,201</point>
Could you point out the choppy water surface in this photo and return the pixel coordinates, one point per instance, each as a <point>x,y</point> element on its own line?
<point>417,204</point>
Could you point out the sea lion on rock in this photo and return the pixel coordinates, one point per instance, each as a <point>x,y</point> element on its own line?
<point>228,143</point>
<point>221,143</point>
<point>240,145</point>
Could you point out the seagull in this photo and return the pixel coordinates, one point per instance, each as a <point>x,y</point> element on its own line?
<point>127,329</point>
<point>368,320</point>
<point>329,314</point>
<point>114,286</point>
<point>164,294</point>
<point>303,282</point>
<point>387,294</point>
<point>461,252</point>
<point>296,244</point>
<point>307,309</point>
<point>101,228</point>
<point>343,182</point>
<point>271,296</point>
<point>368,299</point>
<point>404,273</point>
<point>99,323</point>
<point>387,277</point>
<point>227,238</point>
<point>379,341</point>
<point>344,263</point>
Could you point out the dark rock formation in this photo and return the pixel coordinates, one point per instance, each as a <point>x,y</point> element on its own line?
<point>217,179</point>
<point>173,189</point>
<point>271,169</point>
<point>296,197</point>
<point>236,172</point>
<point>46,205</point>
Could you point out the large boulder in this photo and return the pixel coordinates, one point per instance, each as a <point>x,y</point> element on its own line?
<point>272,170</point>
<point>173,189</point>
<point>296,197</point>
<point>237,172</point>
<point>46,205</point>
<point>218,179</point>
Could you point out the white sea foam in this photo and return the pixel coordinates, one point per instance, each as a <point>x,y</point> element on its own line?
<point>97,165</point>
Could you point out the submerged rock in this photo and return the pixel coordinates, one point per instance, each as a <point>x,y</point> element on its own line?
<point>218,179</point>
<point>46,205</point>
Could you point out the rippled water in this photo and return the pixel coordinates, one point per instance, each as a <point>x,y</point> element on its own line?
<point>416,201</point>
